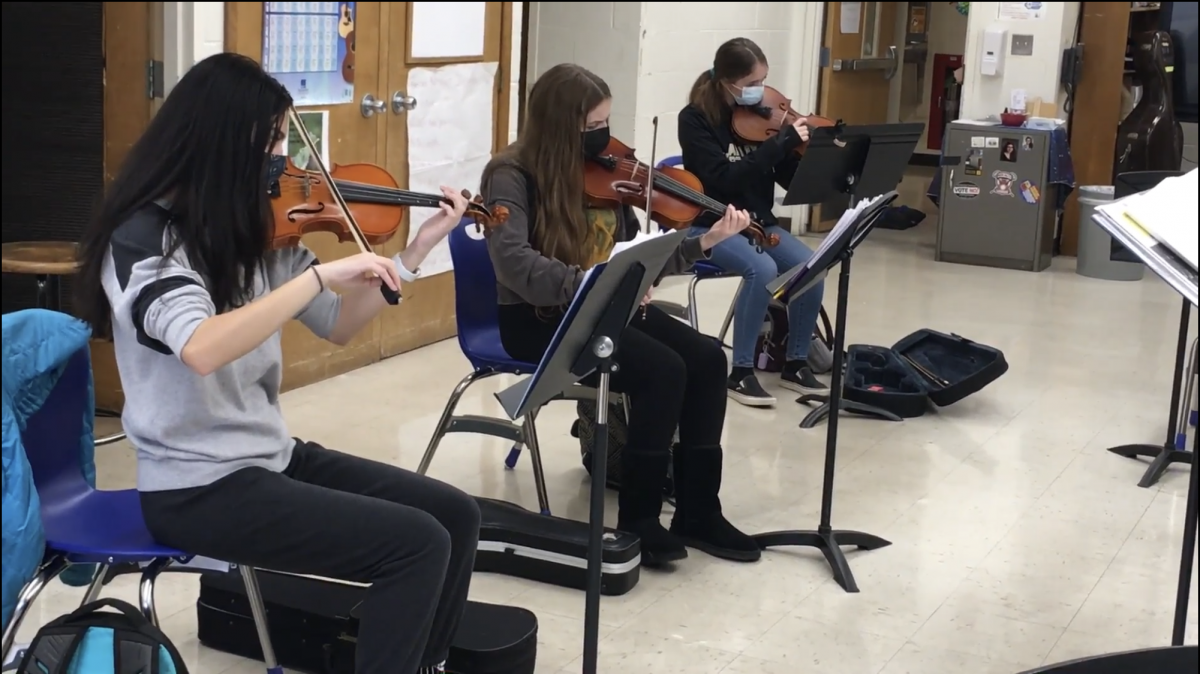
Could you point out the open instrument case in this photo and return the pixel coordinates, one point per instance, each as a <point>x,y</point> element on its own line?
<point>924,367</point>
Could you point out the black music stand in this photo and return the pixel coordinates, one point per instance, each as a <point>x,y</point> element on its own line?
<point>1174,449</point>
<point>1183,592</point>
<point>586,341</point>
<point>862,162</point>
<point>837,248</point>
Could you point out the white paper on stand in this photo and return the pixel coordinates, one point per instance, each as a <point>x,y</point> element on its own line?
<point>1166,213</point>
<point>620,247</point>
<point>449,139</point>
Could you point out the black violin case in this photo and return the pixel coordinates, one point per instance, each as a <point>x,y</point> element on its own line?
<point>314,626</point>
<point>516,542</point>
<point>924,367</point>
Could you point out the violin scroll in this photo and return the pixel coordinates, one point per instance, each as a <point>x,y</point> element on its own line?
<point>485,218</point>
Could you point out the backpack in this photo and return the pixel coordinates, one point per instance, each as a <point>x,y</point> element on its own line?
<point>93,641</point>
<point>770,352</point>
<point>584,428</point>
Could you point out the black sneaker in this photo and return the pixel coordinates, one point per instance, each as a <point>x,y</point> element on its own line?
<point>749,392</point>
<point>803,381</point>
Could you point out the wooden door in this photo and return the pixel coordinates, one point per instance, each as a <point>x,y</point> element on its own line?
<point>427,314</point>
<point>854,97</point>
<point>382,40</point>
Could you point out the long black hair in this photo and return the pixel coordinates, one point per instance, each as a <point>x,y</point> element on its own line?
<point>206,152</point>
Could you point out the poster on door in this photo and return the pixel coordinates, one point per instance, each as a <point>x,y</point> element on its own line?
<point>309,48</point>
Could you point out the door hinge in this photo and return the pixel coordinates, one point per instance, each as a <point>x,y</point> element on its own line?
<point>154,79</point>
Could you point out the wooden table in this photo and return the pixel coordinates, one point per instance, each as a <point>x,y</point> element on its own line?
<point>47,261</point>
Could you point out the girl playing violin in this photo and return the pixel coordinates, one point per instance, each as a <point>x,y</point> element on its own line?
<point>673,375</point>
<point>735,173</point>
<point>177,268</point>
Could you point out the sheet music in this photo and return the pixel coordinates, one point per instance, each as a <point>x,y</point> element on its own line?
<point>1167,213</point>
<point>620,247</point>
<point>782,285</point>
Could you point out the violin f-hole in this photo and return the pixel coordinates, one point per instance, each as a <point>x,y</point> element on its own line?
<point>628,187</point>
<point>291,214</point>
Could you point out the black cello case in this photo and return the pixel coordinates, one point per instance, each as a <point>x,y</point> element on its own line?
<point>314,626</point>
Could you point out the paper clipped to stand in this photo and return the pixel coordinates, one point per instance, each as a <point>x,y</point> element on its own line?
<point>782,286</point>
<point>1165,214</point>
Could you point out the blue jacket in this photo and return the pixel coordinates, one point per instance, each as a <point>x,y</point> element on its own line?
<point>36,347</point>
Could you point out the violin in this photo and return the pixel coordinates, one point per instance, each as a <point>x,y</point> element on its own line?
<point>362,203</point>
<point>617,177</point>
<point>757,123</point>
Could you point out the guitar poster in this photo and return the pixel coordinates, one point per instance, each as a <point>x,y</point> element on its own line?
<point>309,48</point>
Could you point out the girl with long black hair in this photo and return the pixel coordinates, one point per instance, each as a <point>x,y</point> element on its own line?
<point>178,269</point>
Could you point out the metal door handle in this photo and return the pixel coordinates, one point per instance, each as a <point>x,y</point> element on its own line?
<point>371,105</point>
<point>888,64</point>
<point>402,103</point>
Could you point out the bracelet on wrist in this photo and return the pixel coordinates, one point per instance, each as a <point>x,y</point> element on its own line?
<point>320,281</point>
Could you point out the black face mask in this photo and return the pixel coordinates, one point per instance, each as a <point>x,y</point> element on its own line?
<point>276,165</point>
<point>595,141</point>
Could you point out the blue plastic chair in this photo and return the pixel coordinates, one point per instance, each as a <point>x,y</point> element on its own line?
<point>477,316</point>
<point>702,271</point>
<point>85,525</point>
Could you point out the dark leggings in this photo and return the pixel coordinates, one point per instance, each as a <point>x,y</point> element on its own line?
<point>673,375</point>
<point>348,518</point>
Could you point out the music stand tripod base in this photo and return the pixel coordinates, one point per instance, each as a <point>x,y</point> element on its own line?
<point>1163,457</point>
<point>830,543</point>
<point>1173,450</point>
<point>822,411</point>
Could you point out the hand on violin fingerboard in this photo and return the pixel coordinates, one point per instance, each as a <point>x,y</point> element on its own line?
<point>732,223</point>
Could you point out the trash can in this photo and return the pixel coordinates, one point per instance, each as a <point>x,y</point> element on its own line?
<point>1095,245</point>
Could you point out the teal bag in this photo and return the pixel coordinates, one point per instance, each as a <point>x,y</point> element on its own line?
<point>94,641</point>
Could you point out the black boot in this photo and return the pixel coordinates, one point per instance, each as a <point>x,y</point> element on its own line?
<point>698,519</point>
<point>640,506</point>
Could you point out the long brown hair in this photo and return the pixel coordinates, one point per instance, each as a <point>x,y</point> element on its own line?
<point>550,149</point>
<point>734,60</point>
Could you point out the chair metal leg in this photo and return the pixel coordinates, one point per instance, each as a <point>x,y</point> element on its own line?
<point>693,313</point>
<point>729,314</point>
<point>97,584</point>
<point>259,611</point>
<point>443,424</point>
<point>25,598</point>
<point>535,455</point>
<point>146,588</point>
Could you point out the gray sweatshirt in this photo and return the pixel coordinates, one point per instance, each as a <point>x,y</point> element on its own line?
<point>523,273</point>
<point>190,431</point>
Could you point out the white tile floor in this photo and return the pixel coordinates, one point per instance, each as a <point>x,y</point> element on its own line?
<point>1017,539</point>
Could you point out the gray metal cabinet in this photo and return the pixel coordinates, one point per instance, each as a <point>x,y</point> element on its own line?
<point>997,209</point>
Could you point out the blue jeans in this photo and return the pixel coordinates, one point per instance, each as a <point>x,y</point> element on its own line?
<point>737,255</point>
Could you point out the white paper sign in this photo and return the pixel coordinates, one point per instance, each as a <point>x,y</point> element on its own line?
<point>448,29</point>
<point>1021,11</point>
<point>851,17</point>
<point>449,138</point>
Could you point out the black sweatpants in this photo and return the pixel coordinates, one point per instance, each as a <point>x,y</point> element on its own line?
<point>347,518</point>
<point>673,375</point>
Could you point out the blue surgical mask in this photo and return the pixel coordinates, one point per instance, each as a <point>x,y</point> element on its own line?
<point>750,95</point>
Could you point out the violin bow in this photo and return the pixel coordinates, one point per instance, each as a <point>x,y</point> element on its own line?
<point>392,296</point>
<point>650,176</point>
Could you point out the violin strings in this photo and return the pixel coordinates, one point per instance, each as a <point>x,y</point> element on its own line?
<point>678,188</point>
